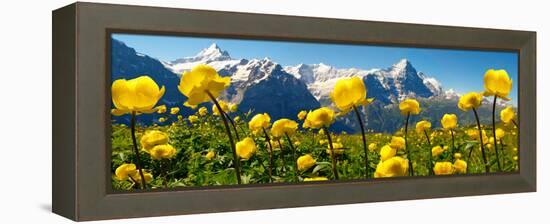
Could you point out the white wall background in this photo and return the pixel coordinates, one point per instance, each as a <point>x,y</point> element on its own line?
<point>25,90</point>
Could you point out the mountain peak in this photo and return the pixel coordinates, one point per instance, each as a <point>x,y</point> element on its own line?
<point>402,64</point>
<point>213,51</point>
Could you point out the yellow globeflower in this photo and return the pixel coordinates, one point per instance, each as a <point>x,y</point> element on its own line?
<point>201,80</point>
<point>124,171</point>
<point>302,115</point>
<point>305,162</point>
<point>139,95</point>
<point>349,92</point>
<point>448,121</point>
<point>460,166</point>
<point>246,148</point>
<point>387,152</point>
<point>174,110</point>
<point>203,111</point>
<point>507,115</point>
<point>237,119</point>
<point>223,105</point>
<point>180,117</point>
<point>474,134</point>
<point>152,138</point>
<point>457,155</point>
<point>397,142</point>
<point>499,133</point>
<point>259,122</point>
<point>409,106</point>
<point>437,150</point>
<point>393,167</point>
<point>443,168</point>
<point>373,147</point>
<point>422,126</point>
<point>284,126</point>
<point>337,147</point>
<point>137,178</point>
<point>469,101</point>
<point>165,151</point>
<point>497,82</point>
<point>322,117</point>
<point>210,155</point>
<point>161,109</point>
<point>162,119</point>
<point>233,107</point>
<point>193,118</point>
<point>315,179</point>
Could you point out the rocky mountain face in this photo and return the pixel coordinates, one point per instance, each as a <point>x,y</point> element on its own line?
<point>126,63</point>
<point>262,85</point>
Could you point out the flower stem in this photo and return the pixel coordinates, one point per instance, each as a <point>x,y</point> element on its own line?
<point>453,148</point>
<point>228,132</point>
<point>495,134</point>
<point>430,170</point>
<point>136,150</point>
<point>364,141</point>
<point>295,162</point>
<point>270,170</point>
<point>332,156</point>
<point>232,124</point>
<point>282,155</point>
<point>515,123</point>
<point>481,142</point>
<point>409,156</point>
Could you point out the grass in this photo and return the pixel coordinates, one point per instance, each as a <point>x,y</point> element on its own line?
<point>190,167</point>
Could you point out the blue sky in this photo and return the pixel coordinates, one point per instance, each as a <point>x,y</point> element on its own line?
<point>461,70</point>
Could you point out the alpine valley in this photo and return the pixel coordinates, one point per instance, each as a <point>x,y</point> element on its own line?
<point>263,85</point>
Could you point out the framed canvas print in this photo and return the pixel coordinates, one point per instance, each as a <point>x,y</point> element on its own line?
<point>200,111</point>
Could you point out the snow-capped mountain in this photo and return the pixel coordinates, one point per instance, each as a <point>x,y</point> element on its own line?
<point>263,85</point>
<point>213,56</point>
<point>389,85</point>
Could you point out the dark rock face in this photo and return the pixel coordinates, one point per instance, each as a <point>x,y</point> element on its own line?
<point>280,95</point>
<point>126,63</point>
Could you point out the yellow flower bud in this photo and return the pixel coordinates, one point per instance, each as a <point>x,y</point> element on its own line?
<point>174,110</point>
<point>397,142</point>
<point>305,162</point>
<point>246,148</point>
<point>422,126</point>
<point>152,138</point>
<point>302,115</point>
<point>322,117</point>
<point>448,121</point>
<point>210,155</point>
<point>349,92</point>
<point>138,95</point>
<point>159,152</point>
<point>387,152</point>
<point>393,167</point>
<point>437,150</point>
<point>409,106</point>
<point>460,166</point>
<point>443,168</point>
<point>203,111</point>
<point>259,122</point>
<point>124,171</point>
<point>201,80</point>
<point>507,115</point>
<point>469,101</point>
<point>284,126</point>
<point>193,118</point>
<point>497,82</point>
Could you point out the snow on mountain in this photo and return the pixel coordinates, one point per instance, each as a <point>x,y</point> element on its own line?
<point>213,56</point>
<point>397,82</point>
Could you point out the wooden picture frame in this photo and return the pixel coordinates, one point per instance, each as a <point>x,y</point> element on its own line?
<point>81,104</point>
